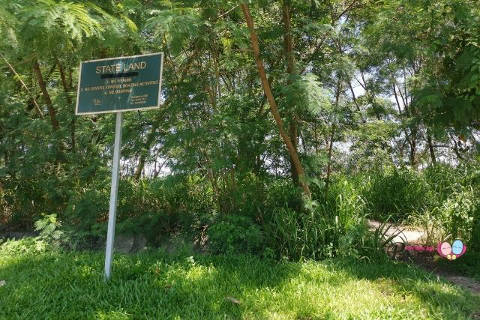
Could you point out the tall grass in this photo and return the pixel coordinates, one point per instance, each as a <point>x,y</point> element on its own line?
<point>329,226</point>
<point>443,200</point>
<point>396,193</point>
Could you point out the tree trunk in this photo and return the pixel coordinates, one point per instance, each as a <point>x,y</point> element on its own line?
<point>410,138</point>
<point>294,136</point>
<point>431,148</point>
<point>46,95</point>
<point>271,100</point>
<point>145,150</point>
<point>67,89</point>
<point>329,165</point>
<point>150,138</point>
<point>356,102</point>
<point>151,135</point>
<point>370,96</point>
<point>288,47</point>
<point>455,148</point>
<point>413,148</point>
<point>332,136</point>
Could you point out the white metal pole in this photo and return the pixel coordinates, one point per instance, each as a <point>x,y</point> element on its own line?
<point>113,197</point>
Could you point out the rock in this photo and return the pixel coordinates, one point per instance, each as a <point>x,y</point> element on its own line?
<point>139,243</point>
<point>124,243</point>
<point>130,243</point>
<point>177,244</point>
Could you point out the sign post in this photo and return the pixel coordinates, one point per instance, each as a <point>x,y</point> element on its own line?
<point>112,211</point>
<point>117,85</point>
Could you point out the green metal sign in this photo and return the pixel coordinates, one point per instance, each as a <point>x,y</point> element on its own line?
<point>120,84</point>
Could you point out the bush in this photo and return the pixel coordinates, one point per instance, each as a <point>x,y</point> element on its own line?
<point>49,230</point>
<point>155,208</point>
<point>332,227</point>
<point>455,211</point>
<point>397,193</point>
<point>475,236</point>
<point>295,235</point>
<point>23,246</point>
<point>235,234</point>
<point>50,238</point>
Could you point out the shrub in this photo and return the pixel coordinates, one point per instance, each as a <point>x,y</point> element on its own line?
<point>333,227</point>
<point>454,218</point>
<point>155,208</point>
<point>49,230</point>
<point>23,246</point>
<point>396,193</point>
<point>243,194</point>
<point>455,211</point>
<point>457,214</point>
<point>50,238</point>
<point>475,235</point>
<point>235,234</point>
<point>295,235</point>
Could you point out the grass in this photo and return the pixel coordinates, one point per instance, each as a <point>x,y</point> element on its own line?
<point>154,285</point>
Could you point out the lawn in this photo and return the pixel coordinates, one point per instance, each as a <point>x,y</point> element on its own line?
<point>155,285</point>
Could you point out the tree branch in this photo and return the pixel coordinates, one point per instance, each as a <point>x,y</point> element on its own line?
<point>46,95</point>
<point>12,69</point>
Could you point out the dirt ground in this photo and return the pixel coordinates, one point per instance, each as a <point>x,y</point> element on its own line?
<point>428,262</point>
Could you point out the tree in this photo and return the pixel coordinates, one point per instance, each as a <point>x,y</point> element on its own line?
<point>273,105</point>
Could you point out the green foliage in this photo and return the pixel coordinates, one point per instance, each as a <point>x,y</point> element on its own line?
<point>371,147</point>
<point>306,96</point>
<point>49,230</point>
<point>381,241</point>
<point>88,207</point>
<point>368,87</point>
<point>235,234</point>
<point>154,208</point>
<point>444,60</point>
<point>396,194</point>
<point>332,228</point>
<point>54,18</point>
<point>475,235</point>
<point>457,214</point>
<point>25,246</point>
<point>442,200</point>
<point>175,25</point>
<point>294,236</point>
<point>51,237</point>
<point>458,208</point>
<point>453,218</point>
